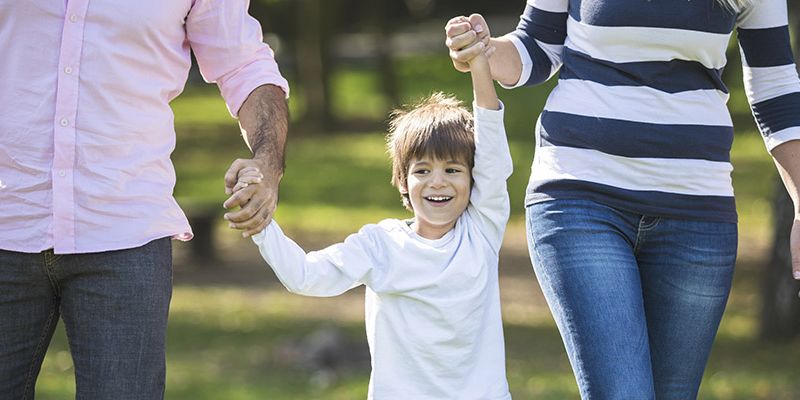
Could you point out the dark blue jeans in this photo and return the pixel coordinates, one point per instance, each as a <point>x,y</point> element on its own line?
<point>637,299</point>
<point>114,306</point>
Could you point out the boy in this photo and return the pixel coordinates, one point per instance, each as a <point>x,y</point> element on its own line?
<point>432,301</point>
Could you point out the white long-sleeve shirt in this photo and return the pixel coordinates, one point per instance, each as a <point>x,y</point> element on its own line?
<point>432,306</point>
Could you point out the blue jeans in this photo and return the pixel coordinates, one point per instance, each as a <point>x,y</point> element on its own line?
<point>637,299</point>
<point>114,306</point>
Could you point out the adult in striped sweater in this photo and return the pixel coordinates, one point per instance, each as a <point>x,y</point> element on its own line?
<point>630,210</point>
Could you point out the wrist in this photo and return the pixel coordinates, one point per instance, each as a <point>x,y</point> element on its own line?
<point>480,65</point>
<point>271,169</point>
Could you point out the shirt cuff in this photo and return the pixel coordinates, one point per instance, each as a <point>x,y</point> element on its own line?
<point>236,87</point>
<point>259,237</point>
<point>772,141</point>
<point>488,115</point>
<point>527,63</point>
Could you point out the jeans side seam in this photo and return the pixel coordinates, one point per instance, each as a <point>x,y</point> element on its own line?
<point>568,324</point>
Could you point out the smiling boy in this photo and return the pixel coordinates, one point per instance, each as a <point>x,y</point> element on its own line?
<point>432,300</point>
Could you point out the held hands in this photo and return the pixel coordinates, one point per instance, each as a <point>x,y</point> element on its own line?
<point>467,39</point>
<point>254,192</point>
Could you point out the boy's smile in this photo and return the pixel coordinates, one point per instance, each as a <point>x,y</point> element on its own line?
<point>439,193</point>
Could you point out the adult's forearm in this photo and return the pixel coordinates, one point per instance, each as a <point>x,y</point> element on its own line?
<point>787,159</point>
<point>506,63</point>
<point>264,120</point>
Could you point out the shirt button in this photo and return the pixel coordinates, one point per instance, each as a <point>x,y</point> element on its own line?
<point>67,70</point>
<point>73,18</point>
<point>61,172</point>
<point>64,122</point>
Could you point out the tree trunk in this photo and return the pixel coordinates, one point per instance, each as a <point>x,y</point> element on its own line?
<point>313,49</point>
<point>380,25</point>
<point>780,314</point>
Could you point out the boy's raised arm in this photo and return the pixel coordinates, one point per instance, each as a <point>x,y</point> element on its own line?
<point>489,202</point>
<point>482,83</point>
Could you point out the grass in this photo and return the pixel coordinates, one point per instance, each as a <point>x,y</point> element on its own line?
<point>230,326</point>
<point>226,341</point>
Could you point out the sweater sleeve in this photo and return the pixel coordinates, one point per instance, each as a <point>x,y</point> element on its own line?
<point>489,202</point>
<point>539,39</point>
<point>770,75</point>
<point>327,272</point>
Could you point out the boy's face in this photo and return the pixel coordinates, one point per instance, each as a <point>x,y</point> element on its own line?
<point>439,192</point>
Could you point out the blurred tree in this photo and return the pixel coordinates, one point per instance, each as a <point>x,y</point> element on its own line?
<point>380,19</point>
<point>309,29</point>
<point>780,313</point>
<point>314,22</point>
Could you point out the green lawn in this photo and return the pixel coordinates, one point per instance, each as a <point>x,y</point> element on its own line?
<point>231,324</point>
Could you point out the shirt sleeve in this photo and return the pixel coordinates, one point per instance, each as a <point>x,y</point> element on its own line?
<point>489,202</point>
<point>539,39</point>
<point>328,272</point>
<point>770,76</point>
<point>228,45</point>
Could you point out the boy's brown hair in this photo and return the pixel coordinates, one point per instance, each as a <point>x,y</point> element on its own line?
<point>438,126</point>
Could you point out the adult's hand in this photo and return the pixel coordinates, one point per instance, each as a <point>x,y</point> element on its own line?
<point>787,159</point>
<point>264,121</point>
<point>794,245</point>
<point>257,198</point>
<point>464,33</point>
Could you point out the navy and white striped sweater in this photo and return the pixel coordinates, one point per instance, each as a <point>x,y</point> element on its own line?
<point>638,119</point>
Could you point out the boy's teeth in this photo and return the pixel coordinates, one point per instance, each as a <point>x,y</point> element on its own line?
<point>438,198</point>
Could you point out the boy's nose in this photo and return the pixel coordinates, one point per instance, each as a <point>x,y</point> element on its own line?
<point>437,179</point>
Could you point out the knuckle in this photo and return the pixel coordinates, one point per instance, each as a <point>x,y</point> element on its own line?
<point>246,214</point>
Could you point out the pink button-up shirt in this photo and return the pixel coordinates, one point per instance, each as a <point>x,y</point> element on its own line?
<point>86,130</point>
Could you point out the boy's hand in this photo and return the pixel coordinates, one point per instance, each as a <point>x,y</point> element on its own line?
<point>466,39</point>
<point>247,176</point>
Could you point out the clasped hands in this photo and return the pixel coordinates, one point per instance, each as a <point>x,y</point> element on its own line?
<point>254,189</point>
<point>467,37</point>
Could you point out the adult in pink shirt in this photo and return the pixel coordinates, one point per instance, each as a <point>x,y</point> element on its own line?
<point>86,181</point>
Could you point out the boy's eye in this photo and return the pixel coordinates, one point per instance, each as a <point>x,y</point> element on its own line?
<point>452,170</point>
<point>420,171</point>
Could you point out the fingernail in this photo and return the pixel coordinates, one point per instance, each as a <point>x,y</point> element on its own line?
<point>797,275</point>
<point>227,191</point>
<point>479,28</point>
<point>245,235</point>
<point>231,225</point>
<point>225,217</point>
